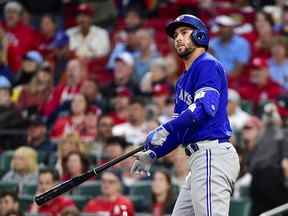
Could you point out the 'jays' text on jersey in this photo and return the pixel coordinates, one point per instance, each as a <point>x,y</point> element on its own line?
<point>205,74</point>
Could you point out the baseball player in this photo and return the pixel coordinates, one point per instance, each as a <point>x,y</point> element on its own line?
<point>200,124</point>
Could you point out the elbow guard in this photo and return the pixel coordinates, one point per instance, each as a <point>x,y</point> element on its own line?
<point>209,99</point>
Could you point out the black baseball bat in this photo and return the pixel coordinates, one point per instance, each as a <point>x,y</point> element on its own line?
<point>71,183</point>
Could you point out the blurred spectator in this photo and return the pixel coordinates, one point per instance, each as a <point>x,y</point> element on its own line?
<point>282,27</point>
<point>180,167</point>
<point>267,166</point>
<point>261,43</point>
<point>129,45</point>
<point>237,116</point>
<point>74,164</point>
<point>231,49</point>
<point>89,132</point>
<point>47,179</point>
<point>9,201</point>
<point>74,122</point>
<point>66,90</point>
<point>21,38</point>
<point>278,63</point>
<point>92,93</point>
<point>147,53</point>
<point>163,199</point>
<point>133,18</point>
<point>50,36</point>
<point>12,124</point>
<point>5,69</point>
<point>37,135</point>
<point>24,167</point>
<point>158,74</point>
<point>35,94</point>
<point>31,62</point>
<point>120,105</point>
<point>112,202</point>
<point>87,40</point>
<point>104,132</point>
<point>70,211</point>
<point>134,131</point>
<point>161,98</point>
<point>260,87</point>
<point>114,147</point>
<point>69,143</point>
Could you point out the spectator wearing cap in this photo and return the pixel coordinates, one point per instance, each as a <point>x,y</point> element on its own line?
<point>37,135</point>
<point>120,104</point>
<point>87,40</point>
<point>158,74</point>
<point>31,62</point>
<point>260,88</point>
<point>67,89</point>
<point>231,49</point>
<point>267,164</point>
<point>21,37</point>
<point>236,115</point>
<point>147,53</point>
<point>34,94</point>
<point>12,123</point>
<point>112,202</point>
<point>122,75</point>
<point>134,131</point>
<point>278,63</point>
<point>130,44</point>
<point>161,98</point>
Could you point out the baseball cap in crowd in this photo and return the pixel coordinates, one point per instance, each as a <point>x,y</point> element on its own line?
<point>161,90</point>
<point>13,5</point>
<point>123,91</point>
<point>61,39</point>
<point>259,63</point>
<point>4,83</point>
<point>233,96</point>
<point>225,21</point>
<point>85,9</point>
<point>34,56</point>
<point>125,57</point>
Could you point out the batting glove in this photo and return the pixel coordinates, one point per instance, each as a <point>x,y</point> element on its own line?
<point>143,163</point>
<point>156,137</point>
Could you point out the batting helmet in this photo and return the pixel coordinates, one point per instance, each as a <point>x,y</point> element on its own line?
<point>200,34</point>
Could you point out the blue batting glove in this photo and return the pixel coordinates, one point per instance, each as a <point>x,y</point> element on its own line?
<point>156,137</point>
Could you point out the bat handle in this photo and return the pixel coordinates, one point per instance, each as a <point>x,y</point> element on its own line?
<point>63,188</point>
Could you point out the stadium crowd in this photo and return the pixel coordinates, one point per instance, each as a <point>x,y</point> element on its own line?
<point>82,82</point>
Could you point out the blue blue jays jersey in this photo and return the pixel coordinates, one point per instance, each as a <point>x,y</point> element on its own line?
<point>205,73</point>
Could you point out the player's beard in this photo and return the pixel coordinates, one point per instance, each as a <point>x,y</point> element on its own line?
<point>186,53</point>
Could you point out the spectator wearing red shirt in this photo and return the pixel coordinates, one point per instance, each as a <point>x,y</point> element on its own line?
<point>75,122</point>
<point>21,37</point>
<point>260,88</point>
<point>112,202</point>
<point>162,195</point>
<point>120,104</point>
<point>66,90</point>
<point>47,179</point>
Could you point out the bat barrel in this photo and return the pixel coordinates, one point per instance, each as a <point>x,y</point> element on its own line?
<point>62,188</point>
<point>71,183</point>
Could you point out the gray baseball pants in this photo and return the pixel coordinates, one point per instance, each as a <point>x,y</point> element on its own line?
<point>209,184</point>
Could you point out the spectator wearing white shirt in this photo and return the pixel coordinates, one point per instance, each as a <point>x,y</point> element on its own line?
<point>236,115</point>
<point>87,40</point>
<point>134,131</point>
